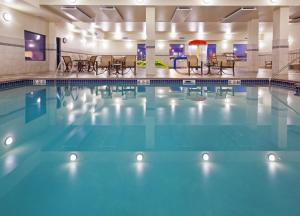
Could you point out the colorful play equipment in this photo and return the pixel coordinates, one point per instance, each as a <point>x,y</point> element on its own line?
<point>199,44</point>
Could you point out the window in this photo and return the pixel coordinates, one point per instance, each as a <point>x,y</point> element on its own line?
<point>35,46</point>
<point>211,50</point>
<point>176,50</point>
<point>141,52</point>
<point>240,51</point>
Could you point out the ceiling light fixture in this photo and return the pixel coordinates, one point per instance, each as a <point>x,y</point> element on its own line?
<point>206,1</point>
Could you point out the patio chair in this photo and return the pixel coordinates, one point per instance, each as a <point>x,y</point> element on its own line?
<point>192,63</point>
<point>268,64</point>
<point>130,63</point>
<point>105,63</point>
<point>92,63</point>
<point>68,63</point>
<point>223,63</point>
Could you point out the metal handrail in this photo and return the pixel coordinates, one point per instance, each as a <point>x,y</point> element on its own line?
<point>286,66</point>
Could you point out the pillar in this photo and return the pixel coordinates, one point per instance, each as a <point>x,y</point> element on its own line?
<point>253,41</point>
<point>51,49</point>
<point>280,40</point>
<point>150,41</point>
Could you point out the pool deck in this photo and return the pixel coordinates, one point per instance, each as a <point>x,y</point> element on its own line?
<point>165,74</point>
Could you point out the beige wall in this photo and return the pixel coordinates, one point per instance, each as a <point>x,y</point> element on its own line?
<point>12,58</point>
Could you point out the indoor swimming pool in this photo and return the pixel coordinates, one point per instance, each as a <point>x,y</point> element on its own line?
<point>149,150</point>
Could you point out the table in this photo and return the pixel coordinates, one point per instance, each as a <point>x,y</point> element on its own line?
<point>208,65</point>
<point>117,67</point>
<point>81,64</point>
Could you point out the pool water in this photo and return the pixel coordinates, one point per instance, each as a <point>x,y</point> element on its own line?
<point>170,128</point>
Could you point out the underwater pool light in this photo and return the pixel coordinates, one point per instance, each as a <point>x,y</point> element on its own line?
<point>272,157</point>
<point>8,140</point>
<point>73,157</point>
<point>139,157</point>
<point>38,100</point>
<point>205,157</point>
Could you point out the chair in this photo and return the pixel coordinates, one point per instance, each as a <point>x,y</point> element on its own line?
<point>68,62</point>
<point>192,62</point>
<point>105,63</point>
<point>92,63</point>
<point>130,63</point>
<point>268,64</point>
<point>223,62</point>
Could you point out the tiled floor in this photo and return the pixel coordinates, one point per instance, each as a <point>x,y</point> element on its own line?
<point>160,73</point>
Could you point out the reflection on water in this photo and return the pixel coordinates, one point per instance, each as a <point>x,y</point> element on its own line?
<point>172,127</point>
<point>154,118</point>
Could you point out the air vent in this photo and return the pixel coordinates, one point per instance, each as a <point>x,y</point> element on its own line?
<point>76,13</point>
<point>295,20</point>
<point>181,14</point>
<point>181,38</point>
<point>236,15</point>
<point>125,38</point>
<point>112,13</point>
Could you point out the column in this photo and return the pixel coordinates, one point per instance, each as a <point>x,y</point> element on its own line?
<point>280,40</point>
<point>252,49</point>
<point>150,41</point>
<point>51,48</point>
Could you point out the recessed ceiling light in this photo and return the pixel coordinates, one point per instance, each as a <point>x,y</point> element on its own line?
<point>274,1</point>
<point>206,1</point>
<point>205,157</point>
<point>139,157</point>
<point>8,140</point>
<point>139,1</point>
<point>6,17</point>
<point>73,157</point>
<point>72,1</point>
<point>272,157</point>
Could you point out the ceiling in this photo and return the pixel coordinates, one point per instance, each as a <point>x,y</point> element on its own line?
<point>165,13</point>
<point>201,19</point>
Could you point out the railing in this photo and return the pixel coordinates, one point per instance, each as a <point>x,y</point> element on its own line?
<point>286,67</point>
<point>262,58</point>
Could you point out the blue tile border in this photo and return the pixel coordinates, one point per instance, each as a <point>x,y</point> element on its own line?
<point>153,82</point>
<point>297,91</point>
<point>283,84</point>
<point>15,84</point>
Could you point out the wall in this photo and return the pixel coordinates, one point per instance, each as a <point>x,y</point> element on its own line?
<point>12,57</point>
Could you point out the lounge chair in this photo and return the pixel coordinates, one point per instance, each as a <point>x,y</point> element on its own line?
<point>130,63</point>
<point>192,62</point>
<point>105,63</point>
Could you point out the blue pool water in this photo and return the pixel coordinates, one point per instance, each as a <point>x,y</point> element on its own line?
<point>107,126</point>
